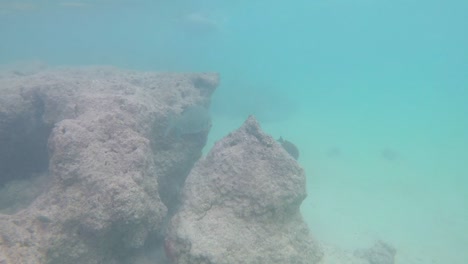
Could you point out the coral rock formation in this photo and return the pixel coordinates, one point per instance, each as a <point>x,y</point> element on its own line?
<point>98,134</point>
<point>241,205</point>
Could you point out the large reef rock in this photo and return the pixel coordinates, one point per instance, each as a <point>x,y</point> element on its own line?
<point>240,204</point>
<point>96,135</point>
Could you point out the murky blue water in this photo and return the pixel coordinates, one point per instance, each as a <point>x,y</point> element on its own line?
<point>374,94</point>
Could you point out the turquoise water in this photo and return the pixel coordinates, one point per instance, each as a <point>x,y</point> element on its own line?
<point>374,94</point>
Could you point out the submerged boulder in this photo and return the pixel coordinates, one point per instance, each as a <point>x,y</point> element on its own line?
<point>96,133</point>
<point>241,203</point>
<point>380,253</point>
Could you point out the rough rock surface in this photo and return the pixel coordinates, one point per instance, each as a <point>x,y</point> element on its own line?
<point>98,135</point>
<point>240,204</point>
<point>88,176</point>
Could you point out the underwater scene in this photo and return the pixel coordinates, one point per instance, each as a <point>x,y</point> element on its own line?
<point>318,131</point>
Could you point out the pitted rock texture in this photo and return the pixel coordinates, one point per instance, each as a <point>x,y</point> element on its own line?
<point>98,135</point>
<point>240,204</point>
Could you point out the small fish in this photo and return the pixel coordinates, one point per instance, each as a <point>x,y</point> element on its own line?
<point>289,147</point>
<point>389,154</point>
<point>334,152</point>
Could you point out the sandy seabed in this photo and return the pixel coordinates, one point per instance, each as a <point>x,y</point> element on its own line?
<point>359,193</point>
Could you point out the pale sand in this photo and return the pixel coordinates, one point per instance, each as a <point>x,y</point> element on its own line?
<point>414,202</point>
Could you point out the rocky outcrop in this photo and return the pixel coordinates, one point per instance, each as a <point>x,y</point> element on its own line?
<point>106,182</point>
<point>240,204</point>
<point>97,135</point>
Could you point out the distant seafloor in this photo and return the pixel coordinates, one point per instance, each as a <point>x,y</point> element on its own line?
<point>364,188</point>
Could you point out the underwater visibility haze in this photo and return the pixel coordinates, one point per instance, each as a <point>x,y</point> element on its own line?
<point>373,94</point>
